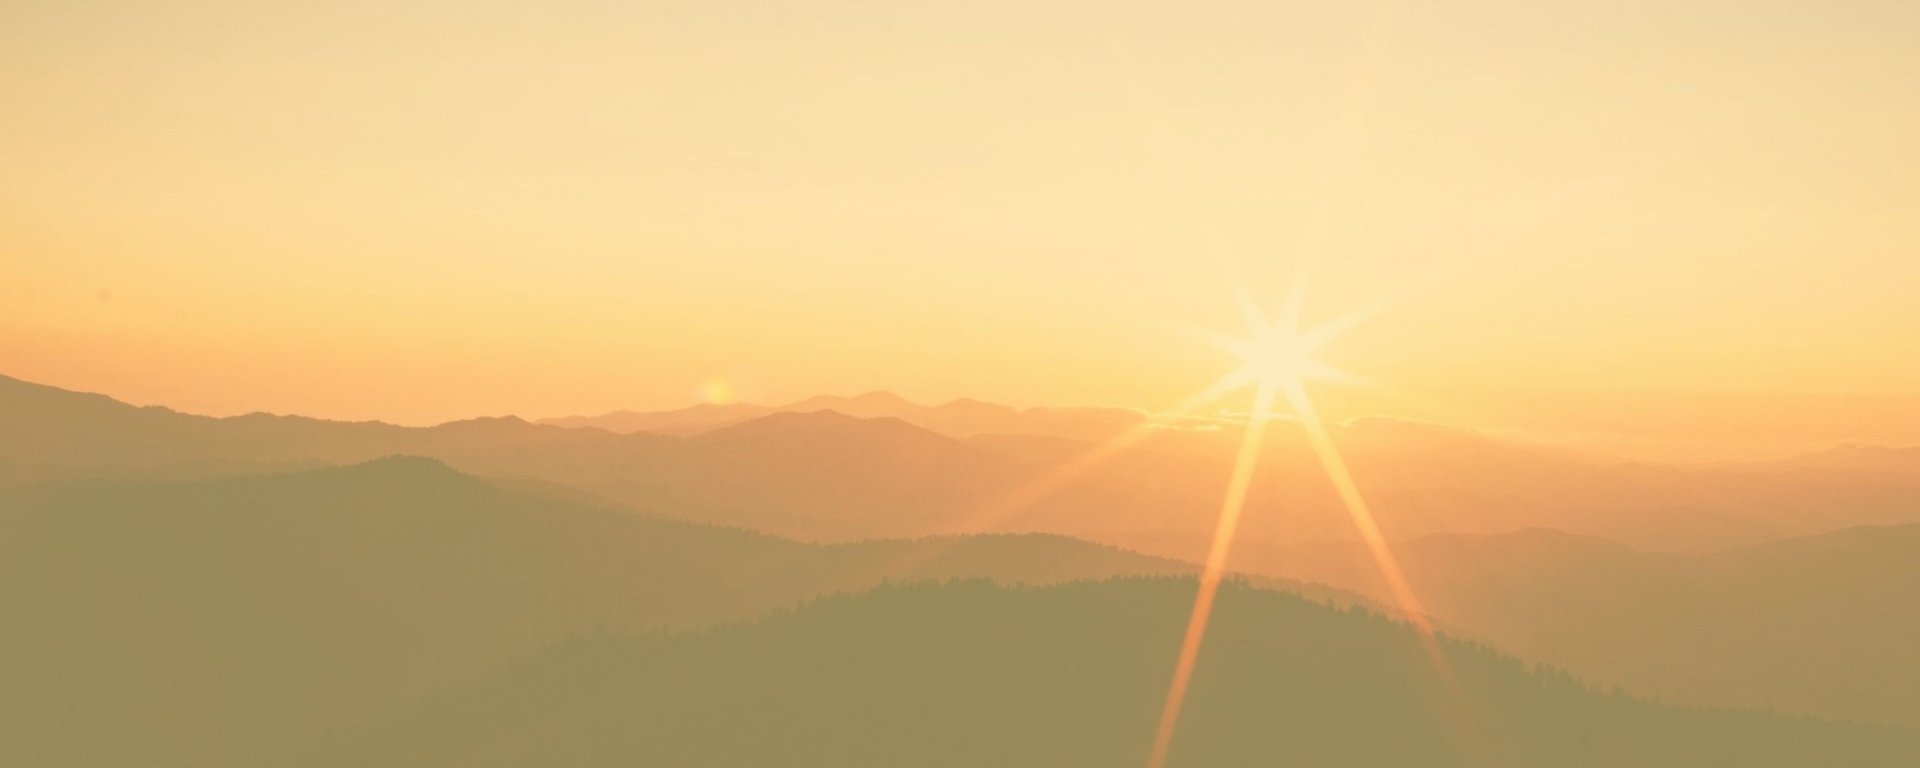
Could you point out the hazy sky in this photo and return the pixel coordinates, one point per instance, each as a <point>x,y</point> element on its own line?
<point>422,211</point>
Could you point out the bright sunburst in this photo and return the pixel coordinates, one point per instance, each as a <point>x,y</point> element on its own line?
<point>1276,353</point>
<point>1278,357</point>
<point>1277,360</point>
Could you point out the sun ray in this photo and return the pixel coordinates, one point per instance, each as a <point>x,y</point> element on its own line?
<point>1278,359</point>
<point>995,510</point>
<point>1211,571</point>
<point>1469,728</point>
<point>1321,441</point>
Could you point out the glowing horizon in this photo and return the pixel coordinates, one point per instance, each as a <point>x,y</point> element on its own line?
<point>580,208</point>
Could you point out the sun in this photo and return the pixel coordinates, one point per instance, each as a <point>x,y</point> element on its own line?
<point>1278,357</point>
<point>1276,360</point>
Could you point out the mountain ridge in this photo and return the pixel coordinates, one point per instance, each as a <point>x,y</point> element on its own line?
<point>958,418</point>
<point>1707,629</point>
<point>1158,494</point>
<point>965,674</point>
<point>216,622</point>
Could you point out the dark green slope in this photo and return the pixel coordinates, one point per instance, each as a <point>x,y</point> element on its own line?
<point>223,622</point>
<point>969,674</point>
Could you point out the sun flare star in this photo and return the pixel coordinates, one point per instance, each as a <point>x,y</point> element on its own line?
<point>1277,361</point>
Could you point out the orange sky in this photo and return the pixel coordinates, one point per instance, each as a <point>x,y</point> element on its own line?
<point>1615,214</point>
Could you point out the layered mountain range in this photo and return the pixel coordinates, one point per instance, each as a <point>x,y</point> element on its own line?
<point>163,573</point>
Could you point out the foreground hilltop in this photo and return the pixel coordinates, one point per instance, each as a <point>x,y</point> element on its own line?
<point>970,674</point>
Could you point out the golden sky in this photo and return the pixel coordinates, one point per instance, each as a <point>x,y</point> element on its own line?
<point>418,213</point>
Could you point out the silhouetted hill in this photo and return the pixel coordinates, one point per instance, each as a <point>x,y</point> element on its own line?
<point>968,674</point>
<point>221,622</point>
<point>1826,625</point>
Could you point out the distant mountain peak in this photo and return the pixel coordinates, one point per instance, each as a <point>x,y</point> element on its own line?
<point>817,419</point>
<point>970,405</point>
<point>959,418</point>
<point>819,416</point>
<point>877,399</point>
<point>486,423</point>
<point>399,462</point>
<point>880,395</point>
<point>827,426</point>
